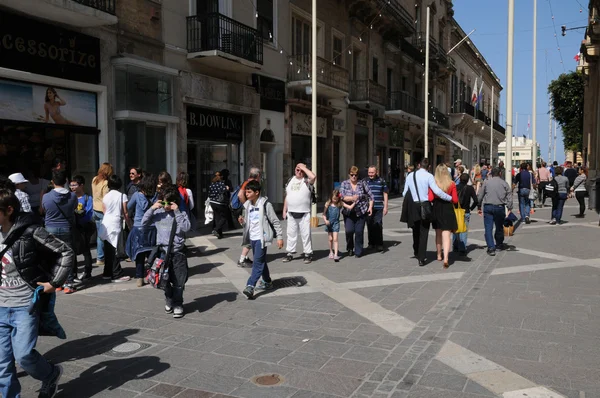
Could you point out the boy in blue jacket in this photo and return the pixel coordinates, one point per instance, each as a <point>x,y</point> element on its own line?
<point>85,226</point>
<point>161,214</point>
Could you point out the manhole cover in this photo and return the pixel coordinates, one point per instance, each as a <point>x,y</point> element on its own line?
<point>268,380</point>
<point>127,349</point>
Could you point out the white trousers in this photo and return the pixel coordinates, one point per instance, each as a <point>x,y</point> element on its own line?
<point>303,225</point>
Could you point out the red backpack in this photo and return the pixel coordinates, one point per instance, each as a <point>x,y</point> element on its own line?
<point>184,194</point>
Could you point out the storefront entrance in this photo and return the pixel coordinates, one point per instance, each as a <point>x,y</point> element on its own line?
<point>204,160</point>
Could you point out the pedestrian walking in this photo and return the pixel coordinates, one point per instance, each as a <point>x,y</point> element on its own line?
<point>466,196</point>
<point>261,226</point>
<point>218,195</point>
<point>495,195</point>
<point>141,239</point>
<point>253,175</point>
<point>84,226</point>
<point>331,216</point>
<point>380,190</point>
<point>135,176</point>
<point>114,208</point>
<point>570,173</point>
<point>25,250</point>
<point>296,209</point>
<point>524,181</point>
<point>358,192</point>
<point>544,177</point>
<point>59,206</point>
<point>165,215</point>
<point>558,201</point>
<point>20,186</point>
<point>99,189</point>
<point>444,218</point>
<point>418,212</point>
<point>580,191</point>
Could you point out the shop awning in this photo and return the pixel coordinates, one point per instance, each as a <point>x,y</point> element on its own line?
<point>452,140</point>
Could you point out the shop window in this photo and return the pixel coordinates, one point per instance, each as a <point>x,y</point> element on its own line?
<point>142,145</point>
<point>143,91</point>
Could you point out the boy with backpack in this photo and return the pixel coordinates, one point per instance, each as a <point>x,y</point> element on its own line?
<point>261,226</point>
<point>84,226</point>
<point>166,215</point>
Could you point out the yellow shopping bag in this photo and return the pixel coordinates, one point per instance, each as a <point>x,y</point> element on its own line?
<point>459,212</point>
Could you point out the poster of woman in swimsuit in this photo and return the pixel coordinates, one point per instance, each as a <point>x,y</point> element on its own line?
<point>46,104</point>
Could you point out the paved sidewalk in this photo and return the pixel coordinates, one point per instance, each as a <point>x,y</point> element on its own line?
<point>525,323</point>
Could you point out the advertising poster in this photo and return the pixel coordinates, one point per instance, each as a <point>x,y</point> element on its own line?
<point>46,104</point>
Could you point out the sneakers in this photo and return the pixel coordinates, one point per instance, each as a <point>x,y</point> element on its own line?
<point>491,252</point>
<point>77,279</point>
<point>527,220</point>
<point>249,292</point>
<point>553,221</point>
<point>215,234</point>
<point>262,285</point>
<point>336,259</point>
<point>85,277</point>
<point>350,253</point>
<point>502,246</point>
<point>246,263</point>
<point>69,289</point>
<point>288,257</point>
<point>178,312</point>
<point>139,282</point>
<point>168,309</point>
<point>99,263</point>
<point>122,279</point>
<point>49,388</point>
<point>308,258</point>
<point>330,255</point>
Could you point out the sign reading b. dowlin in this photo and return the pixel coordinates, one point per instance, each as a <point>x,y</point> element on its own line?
<point>36,47</point>
<point>207,124</point>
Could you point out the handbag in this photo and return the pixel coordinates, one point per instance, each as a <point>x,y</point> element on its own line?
<point>459,212</point>
<point>425,208</point>
<point>157,274</point>
<point>533,193</point>
<point>122,238</point>
<point>208,212</point>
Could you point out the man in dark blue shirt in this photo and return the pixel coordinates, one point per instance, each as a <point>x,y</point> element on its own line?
<point>524,179</point>
<point>380,191</point>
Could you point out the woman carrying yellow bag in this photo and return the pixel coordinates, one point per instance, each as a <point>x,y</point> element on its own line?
<point>466,193</point>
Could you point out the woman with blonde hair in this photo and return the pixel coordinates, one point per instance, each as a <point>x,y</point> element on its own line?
<point>444,219</point>
<point>476,177</point>
<point>99,189</point>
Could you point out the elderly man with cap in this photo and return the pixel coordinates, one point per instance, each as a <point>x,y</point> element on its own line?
<point>20,183</point>
<point>457,162</point>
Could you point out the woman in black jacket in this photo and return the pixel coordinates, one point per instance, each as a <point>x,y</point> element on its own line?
<point>30,258</point>
<point>465,194</point>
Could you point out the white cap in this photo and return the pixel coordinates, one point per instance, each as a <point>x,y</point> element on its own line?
<point>17,178</point>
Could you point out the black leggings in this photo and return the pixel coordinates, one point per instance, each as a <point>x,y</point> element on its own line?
<point>580,195</point>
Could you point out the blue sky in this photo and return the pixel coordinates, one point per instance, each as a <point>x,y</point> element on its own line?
<point>490,18</point>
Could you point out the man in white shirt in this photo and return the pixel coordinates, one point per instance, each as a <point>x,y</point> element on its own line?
<point>420,193</point>
<point>296,205</point>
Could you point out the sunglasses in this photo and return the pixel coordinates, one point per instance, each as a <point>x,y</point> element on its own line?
<point>353,175</point>
<point>132,174</point>
<point>165,203</point>
<point>74,185</point>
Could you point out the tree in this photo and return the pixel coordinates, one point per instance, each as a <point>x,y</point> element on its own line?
<point>566,98</point>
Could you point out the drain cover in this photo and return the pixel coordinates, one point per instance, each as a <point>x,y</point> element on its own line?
<point>268,380</point>
<point>127,349</point>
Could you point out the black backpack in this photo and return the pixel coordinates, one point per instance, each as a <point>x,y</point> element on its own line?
<point>551,189</point>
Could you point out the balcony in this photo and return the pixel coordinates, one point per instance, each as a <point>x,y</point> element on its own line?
<point>401,101</point>
<point>332,80</point>
<point>438,117</point>
<point>367,91</point>
<point>442,57</point>
<point>394,22</point>
<point>468,109</point>
<point>221,42</point>
<point>79,13</point>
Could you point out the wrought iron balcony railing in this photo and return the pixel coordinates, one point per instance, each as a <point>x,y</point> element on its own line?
<point>102,5</point>
<point>335,76</point>
<point>438,117</point>
<point>399,100</point>
<point>215,31</point>
<point>367,90</point>
<point>499,128</point>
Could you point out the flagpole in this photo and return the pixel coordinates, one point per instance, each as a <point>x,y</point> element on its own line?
<point>492,129</point>
<point>509,88</point>
<point>534,99</point>
<point>427,87</point>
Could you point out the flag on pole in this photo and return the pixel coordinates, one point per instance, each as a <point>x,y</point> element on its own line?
<point>480,94</point>
<point>576,57</point>
<point>474,94</point>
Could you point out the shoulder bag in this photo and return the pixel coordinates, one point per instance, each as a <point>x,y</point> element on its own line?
<point>459,212</point>
<point>157,273</point>
<point>533,193</point>
<point>425,208</point>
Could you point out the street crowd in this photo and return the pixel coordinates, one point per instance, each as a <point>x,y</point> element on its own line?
<point>45,224</point>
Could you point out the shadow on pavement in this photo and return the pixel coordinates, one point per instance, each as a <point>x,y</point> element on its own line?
<point>202,268</point>
<point>205,303</point>
<point>110,375</point>
<point>282,283</point>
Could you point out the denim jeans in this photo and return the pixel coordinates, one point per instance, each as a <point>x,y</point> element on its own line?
<point>493,215</point>
<point>66,236</point>
<point>98,216</point>
<point>355,232</point>
<point>375,228</point>
<point>557,209</point>
<point>459,241</point>
<point>18,337</point>
<point>524,203</point>
<point>259,265</point>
